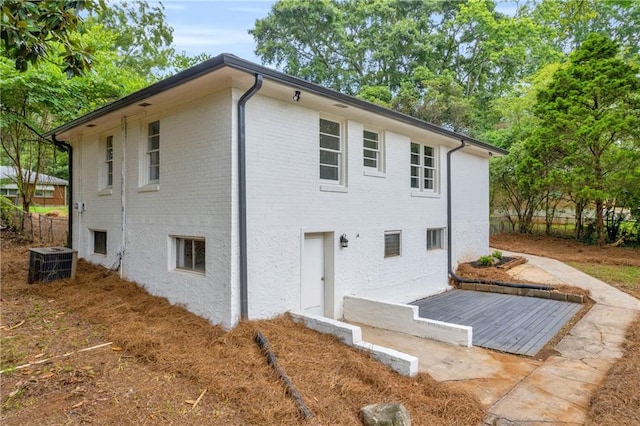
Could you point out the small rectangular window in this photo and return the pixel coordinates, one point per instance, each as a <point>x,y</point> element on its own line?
<point>100,242</point>
<point>43,193</point>
<point>153,151</point>
<point>190,254</point>
<point>391,243</point>
<point>11,192</point>
<point>330,151</point>
<point>435,239</point>
<point>371,149</point>
<point>109,162</point>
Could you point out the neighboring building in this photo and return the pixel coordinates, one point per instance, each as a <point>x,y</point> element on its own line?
<point>49,191</point>
<point>159,189</point>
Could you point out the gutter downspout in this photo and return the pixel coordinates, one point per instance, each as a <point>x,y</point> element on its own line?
<point>123,194</point>
<point>67,147</point>
<point>242,195</point>
<point>452,274</point>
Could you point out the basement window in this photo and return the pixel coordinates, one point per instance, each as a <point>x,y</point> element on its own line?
<point>190,254</point>
<point>392,243</point>
<point>100,242</point>
<point>435,239</point>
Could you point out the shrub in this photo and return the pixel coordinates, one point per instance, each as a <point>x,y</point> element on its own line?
<point>486,260</point>
<point>497,254</point>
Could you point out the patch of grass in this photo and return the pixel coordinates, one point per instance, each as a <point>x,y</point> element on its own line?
<point>625,277</point>
<point>10,353</point>
<point>60,210</point>
<point>12,402</point>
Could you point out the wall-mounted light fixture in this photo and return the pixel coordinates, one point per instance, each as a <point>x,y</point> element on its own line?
<point>343,241</point>
<point>296,96</point>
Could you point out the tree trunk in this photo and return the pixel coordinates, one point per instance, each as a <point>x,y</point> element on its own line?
<point>600,223</point>
<point>580,205</point>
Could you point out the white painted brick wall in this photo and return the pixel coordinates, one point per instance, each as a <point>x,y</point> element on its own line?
<point>193,199</point>
<point>197,197</point>
<point>285,201</point>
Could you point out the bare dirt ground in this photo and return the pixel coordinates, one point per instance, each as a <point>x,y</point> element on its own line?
<point>153,363</point>
<point>566,250</point>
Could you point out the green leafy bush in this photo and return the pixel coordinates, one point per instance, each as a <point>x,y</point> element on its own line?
<point>486,260</point>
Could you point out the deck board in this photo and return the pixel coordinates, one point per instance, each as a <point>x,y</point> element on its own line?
<point>515,324</point>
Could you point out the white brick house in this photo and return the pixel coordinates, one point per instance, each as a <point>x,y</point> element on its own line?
<point>160,191</point>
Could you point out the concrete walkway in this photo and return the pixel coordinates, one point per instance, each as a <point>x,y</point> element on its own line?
<point>520,390</point>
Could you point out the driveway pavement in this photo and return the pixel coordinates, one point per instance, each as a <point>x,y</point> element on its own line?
<point>520,390</point>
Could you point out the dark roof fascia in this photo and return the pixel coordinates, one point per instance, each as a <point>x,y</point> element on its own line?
<point>241,64</point>
<point>235,62</point>
<point>159,87</point>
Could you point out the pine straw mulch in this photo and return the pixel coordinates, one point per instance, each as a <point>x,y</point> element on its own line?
<point>617,400</point>
<point>566,250</point>
<point>162,358</point>
<point>468,270</point>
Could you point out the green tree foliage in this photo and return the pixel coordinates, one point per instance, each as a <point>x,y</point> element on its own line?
<point>568,23</point>
<point>440,61</point>
<point>42,96</point>
<point>142,37</point>
<point>590,117</point>
<point>29,29</point>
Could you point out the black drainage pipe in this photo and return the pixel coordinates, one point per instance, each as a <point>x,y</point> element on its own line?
<point>452,274</point>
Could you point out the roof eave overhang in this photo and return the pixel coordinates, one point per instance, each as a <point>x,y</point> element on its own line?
<point>232,61</point>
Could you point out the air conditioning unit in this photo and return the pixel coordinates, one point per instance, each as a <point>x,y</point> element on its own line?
<point>52,263</point>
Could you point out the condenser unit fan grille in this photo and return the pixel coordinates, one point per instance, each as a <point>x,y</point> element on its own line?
<point>51,263</point>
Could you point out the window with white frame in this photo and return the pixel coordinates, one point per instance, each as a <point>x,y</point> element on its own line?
<point>423,167</point>
<point>331,151</point>
<point>153,151</point>
<point>10,192</point>
<point>372,149</point>
<point>44,191</point>
<point>392,243</point>
<point>108,162</point>
<point>190,254</point>
<point>100,242</point>
<point>435,239</point>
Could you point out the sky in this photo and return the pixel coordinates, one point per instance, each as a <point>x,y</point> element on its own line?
<point>215,26</point>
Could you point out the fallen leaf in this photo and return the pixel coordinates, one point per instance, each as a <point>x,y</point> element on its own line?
<point>116,348</point>
<point>39,355</point>
<point>78,404</point>
<point>189,401</point>
<point>46,375</point>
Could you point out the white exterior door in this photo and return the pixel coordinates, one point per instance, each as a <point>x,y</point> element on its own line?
<point>313,275</point>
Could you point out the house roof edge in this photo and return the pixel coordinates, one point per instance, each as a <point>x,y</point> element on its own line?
<point>232,61</point>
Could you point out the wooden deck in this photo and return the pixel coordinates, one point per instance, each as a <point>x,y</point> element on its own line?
<point>514,324</point>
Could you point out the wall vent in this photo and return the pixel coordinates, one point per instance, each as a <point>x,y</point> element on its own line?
<point>52,263</point>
